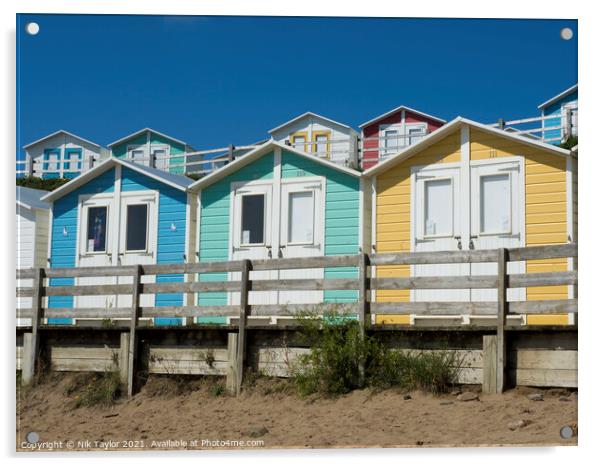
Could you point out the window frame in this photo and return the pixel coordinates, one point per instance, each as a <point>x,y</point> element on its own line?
<point>86,223</point>
<point>240,237</point>
<point>147,240</point>
<point>297,134</point>
<point>287,235</point>
<point>314,138</point>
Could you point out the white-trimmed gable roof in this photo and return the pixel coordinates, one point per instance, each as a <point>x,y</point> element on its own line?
<point>397,109</point>
<point>144,130</point>
<point>260,152</point>
<point>310,115</point>
<point>449,128</point>
<point>56,133</point>
<point>556,98</point>
<point>30,198</point>
<point>179,182</point>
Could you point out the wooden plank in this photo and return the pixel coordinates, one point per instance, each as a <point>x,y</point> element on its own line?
<point>184,353</point>
<point>295,309</point>
<point>124,348</point>
<point>75,272</point>
<point>19,357</point>
<point>542,279</point>
<point>231,370</point>
<point>544,377</point>
<point>489,380</point>
<point>189,311</point>
<point>27,359</point>
<point>24,292</point>
<point>82,365</point>
<point>88,313</point>
<point>544,307</point>
<point>196,267</point>
<point>24,274</point>
<point>543,252</point>
<point>437,257</point>
<point>33,349</point>
<point>192,367</point>
<point>502,312</point>
<point>87,290</point>
<point>543,359</point>
<point>133,351</point>
<point>83,352</point>
<point>305,262</point>
<point>305,284</point>
<point>412,283</point>
<point>189,287</point>
<point>435,308</point>
<point>245,287</point>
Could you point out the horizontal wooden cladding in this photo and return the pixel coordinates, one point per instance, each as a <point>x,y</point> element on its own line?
<point>473,308</point>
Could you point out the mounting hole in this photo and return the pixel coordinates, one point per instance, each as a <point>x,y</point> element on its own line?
<point>566,33</point>
<point>32,28</point>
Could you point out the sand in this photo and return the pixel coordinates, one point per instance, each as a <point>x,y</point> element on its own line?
<point>271,415</point>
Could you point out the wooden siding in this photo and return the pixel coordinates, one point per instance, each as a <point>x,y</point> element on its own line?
<point>545,210</point>
<point>393,200</point>
<point>63,249</point>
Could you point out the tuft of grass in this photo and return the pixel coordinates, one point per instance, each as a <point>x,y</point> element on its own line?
<point>332,366</point>
<point>95,389</point>
<point>218,389</point>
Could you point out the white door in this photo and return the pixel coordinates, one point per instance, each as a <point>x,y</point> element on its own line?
<point>94,246</point>
<point>251,223</point>
<point>497,218</point>
<point>436,198</point>
<point>137,239</point>
<point>301,234</point>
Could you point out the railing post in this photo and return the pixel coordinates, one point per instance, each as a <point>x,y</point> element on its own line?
<point>502,312</point>
<point>362,306</point>
<point>133,352</point>
<point>566,132</point>
<point>245,286</point>
<point>501,124</point>
<point>33,350</point>
<point>29,165</point>
<point>230,152</point>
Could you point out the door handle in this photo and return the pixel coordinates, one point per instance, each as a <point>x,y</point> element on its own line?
<point>459,239</point>
<point>269,248</point>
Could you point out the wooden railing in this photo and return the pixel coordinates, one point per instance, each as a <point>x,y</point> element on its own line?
<point>365,284</point>
<point>553,129</point>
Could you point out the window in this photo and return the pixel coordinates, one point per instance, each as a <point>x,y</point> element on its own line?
<point>72,160</point>
<point>321,145</point>
<point>137,155</point>
<point>299,141</point>
<point>415,135</point>
<point>253,219</point>
<point>96,238</point>
<point>136,227</point>
<point>51,160</point>
<point>438,207</point>
<point>391,141</point>
<point>301,217</point>
<point>159,157</point>
<point>496,200</point>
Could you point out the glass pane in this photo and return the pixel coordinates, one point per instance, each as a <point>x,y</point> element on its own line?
<point>97,229</point>
<point>301,217</point>
<point>495,204</point>
<point>253,207</point>
<point>438,205</point>
<point>415,135</point>
<point>321,144</point>
<point>299,142</point>
<point>137,154</point>
<point>391,141</point>
<point>136,228</point>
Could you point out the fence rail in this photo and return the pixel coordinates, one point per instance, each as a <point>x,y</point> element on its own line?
<point>366,284</point>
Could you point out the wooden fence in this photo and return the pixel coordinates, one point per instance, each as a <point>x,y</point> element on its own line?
<point>244,284</point>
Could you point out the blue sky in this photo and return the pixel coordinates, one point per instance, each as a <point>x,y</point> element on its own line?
<point>211,81</point>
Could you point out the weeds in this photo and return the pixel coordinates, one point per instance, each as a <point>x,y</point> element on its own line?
<point>95,389</point>
<point>332,366</point>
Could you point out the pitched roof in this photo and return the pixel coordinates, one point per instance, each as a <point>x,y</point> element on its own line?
<point>31,198</point>
<point>259,152</point>
<point>305,115</point>
<point>143,130</point>
<point>556,98</point>
<point>56,133</point>
<point>176,181</point>
<point>397,109</point>
<point>449,128</point>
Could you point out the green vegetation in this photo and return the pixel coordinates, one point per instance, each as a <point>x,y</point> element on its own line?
<point>39,183</point>
<point>95,389</point>
<point>332,367</point>
<point>569,143</point>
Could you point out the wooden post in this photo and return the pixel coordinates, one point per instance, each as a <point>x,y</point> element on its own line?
<point>232,368</point>
<point>502,312</point>
<point>133,352</point>
<point>501,124</point>
<point>29,165</point>
<point>32,350</point>
<point>242,322</point>
<point>362,303</point>
<point>230,152</point>
<point>489,364</point>
<point>124,351</point>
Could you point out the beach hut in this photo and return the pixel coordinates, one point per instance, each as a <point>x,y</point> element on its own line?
<point>277,201</point>
<point>564,107</point>
<point>470,186</point>
<point>321,136</point>
<point>32,236</point>
<point>119,213</point>
<point>152,148</point>
<point>61,155</point>
<point>391,132</point>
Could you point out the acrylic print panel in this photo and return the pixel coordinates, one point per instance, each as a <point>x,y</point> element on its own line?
<point>223,217</point>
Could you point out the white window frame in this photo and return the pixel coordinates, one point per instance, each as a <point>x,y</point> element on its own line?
<point>286,211</point>
<point>384,151</point>
<point>85,204</point>
<point>239,196</point>
<point>408,126</point>
<point>136,148</point>
<point>164,162</point>
<point>147,240</point>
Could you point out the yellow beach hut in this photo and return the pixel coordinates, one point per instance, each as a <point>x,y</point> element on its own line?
<point>471,186</point>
